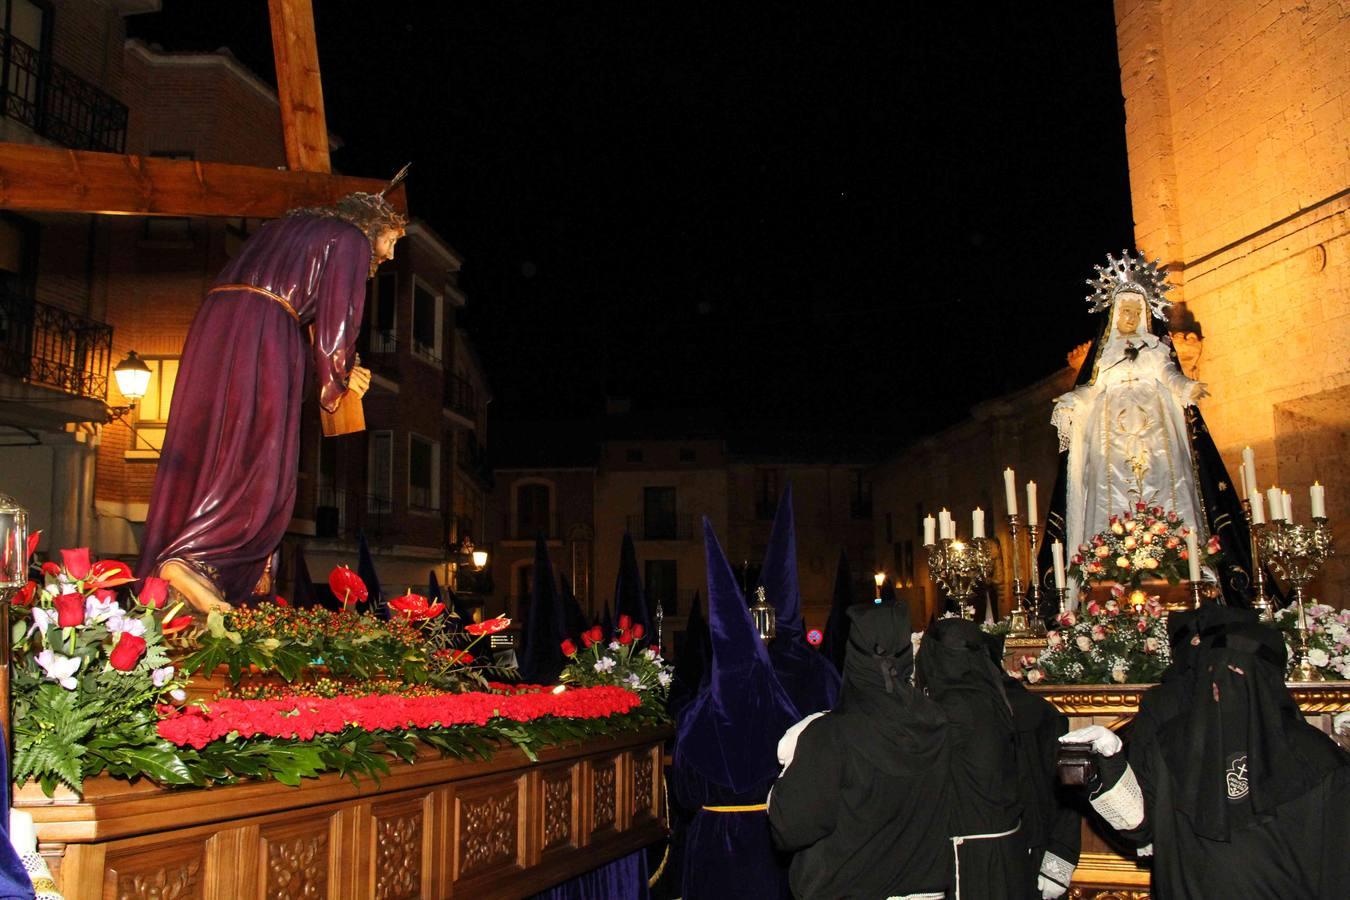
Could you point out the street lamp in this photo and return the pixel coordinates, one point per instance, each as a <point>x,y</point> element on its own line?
<point>133,377</point>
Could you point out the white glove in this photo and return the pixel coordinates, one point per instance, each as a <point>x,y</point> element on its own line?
<point>1049,889</point>
<point>787,744</point>
<point>1103,740</point>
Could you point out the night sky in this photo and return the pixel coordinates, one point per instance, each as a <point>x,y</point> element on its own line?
<point>833,217</point>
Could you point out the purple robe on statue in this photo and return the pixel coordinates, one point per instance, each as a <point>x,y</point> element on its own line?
<point>225,488</point>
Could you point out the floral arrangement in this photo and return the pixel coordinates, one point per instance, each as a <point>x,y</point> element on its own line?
<point>1146,542</point>
<point>95,690</point>
<point>1103,644</point>
<point>624,661</point>
<point>89,669</point>
<point>1328,636</point>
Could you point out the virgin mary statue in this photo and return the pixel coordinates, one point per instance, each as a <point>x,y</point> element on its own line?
<point>1130,432</point>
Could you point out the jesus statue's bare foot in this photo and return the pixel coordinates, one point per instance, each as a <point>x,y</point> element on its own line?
<point>195,588</point>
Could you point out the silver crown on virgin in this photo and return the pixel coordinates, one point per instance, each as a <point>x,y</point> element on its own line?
<point>1130,274</point>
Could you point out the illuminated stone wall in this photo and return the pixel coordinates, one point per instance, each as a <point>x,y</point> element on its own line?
<point>1239,153</point>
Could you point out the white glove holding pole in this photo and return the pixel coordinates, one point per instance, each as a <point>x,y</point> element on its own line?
<point>1103,740</point>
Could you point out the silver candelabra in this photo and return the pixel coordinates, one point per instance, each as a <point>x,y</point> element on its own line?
<point>1297,553</point>
<point>961,567</point>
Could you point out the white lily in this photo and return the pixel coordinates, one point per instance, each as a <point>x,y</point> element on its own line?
<point>58,668</point>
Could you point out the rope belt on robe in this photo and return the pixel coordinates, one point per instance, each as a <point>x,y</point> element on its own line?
<point>960,839</point>
<point>753,807</point>
<point>285,304</point>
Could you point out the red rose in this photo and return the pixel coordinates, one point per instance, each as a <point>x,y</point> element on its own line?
<point>1142,625</point>
<point>586,639</point>
<point>51,569</point>
<point>625,622</point>
<point>69,610</point>
<point>175,625</point>
<point>569,648</point>
<point>625,637</point>
<point>111,573</point>
<point>76,562</point>
<point>491,626</point>
<point>597,634</point>
<point>127,653</point>
<point>154,592</point>
<point>347,586</point>
<point>25,595</point>
<point>638,631</point>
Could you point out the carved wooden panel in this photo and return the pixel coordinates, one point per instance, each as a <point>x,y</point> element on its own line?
<point>165,873</point>
<point>488,820</point>
<point>295,861</point>
<point>644,786</point>
<point>557,790</point>
<point>398,850</point>
<point>604,794</point>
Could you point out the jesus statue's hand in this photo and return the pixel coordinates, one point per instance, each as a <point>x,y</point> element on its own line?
<point>359,382</point>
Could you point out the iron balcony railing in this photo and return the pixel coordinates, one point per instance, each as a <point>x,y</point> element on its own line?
<point>52,347</point>
<point>56,103</point>
<point>459,396</point>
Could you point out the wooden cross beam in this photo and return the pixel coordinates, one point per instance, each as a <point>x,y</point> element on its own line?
<point>51,179</point>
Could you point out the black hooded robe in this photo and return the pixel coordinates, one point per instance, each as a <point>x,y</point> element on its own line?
<point>863,802</point>
<point>1242,799</point>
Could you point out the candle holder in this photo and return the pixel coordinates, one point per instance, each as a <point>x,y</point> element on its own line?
<point>1018,624</point>
<point>1033,565</point>
<point>1260,603</point>
<point>1298,553</point>
<point>1063,599</point>
<point>961,568</point>
<point>1196,597</point>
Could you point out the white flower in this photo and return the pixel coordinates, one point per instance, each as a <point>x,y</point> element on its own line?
<point>1318,657</point>
<point>1118,674</point>
<point>1084,642</point>
<point>614,645</point>
<point>178,694</point>
<point>43,619</point>
<point>1035,675</point>
<point>604,665</point>
<point>126,625</point>
<point>94,607</point>
<point>58,668</point>
<point>663,678</point>
<point>633,682</point>
<point>650,653</point>
<point>161,675</point>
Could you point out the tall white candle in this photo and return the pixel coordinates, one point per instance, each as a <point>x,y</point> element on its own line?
<point>1031,503</point>
<point>1249,460</point>
<point>929,531</point>
<point>1242,479</point>
<point>1276,503</point>
<point>1318,495</point>
<point>1258,509</point>
<point>1193,554</point>
<point>944,524</point>
<point>1288,506</point>
<point>1010,490</point>
<point>977,523</point>
<point>1057,557</point>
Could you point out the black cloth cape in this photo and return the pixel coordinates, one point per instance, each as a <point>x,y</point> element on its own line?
<point>954,668</point>
<point>1243,799</point>
<point>864,801</point>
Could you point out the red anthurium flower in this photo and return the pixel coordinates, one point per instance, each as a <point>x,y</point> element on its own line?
<point>347,586</point>
<point>33,540</point>
<point>175,625</point>
<point>69,610</point>
<point>569,647</point>
<point>491,626</point>
<point>638,631</point>
<point>111,573</point>
<point>51,569</point>
<point>415,606</point>
<point>463,657</point>
<point>625,622</point>
<point>76,562</point>
<point>127,653</point>
<point>154,592</point>
<point>25,595</point>
<point>280,601</point>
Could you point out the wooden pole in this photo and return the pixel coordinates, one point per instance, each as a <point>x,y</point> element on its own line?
<point>298,85</point>
<point>50,179</point>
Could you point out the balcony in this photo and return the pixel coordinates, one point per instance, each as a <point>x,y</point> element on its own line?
<point>340,513</point>
<point>379,352</point>
<point>56,103</point>
<point>661,528</point>
<point>54,348</point>
<point>459,397</point>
